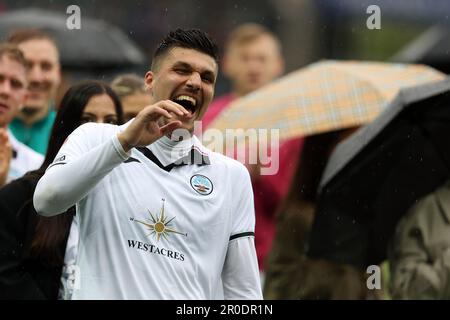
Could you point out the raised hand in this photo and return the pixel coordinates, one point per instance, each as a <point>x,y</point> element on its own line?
<point>5,156</point>
<point>147,127</point>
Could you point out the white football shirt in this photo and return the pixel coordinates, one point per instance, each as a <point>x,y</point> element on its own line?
<point>23,159</point>
<point>149,228</point>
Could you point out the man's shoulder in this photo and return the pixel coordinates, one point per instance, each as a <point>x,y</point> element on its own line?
<point>97,131</point>
<point>231,165</point>
<point>24,159</point>
<point>24,151</point>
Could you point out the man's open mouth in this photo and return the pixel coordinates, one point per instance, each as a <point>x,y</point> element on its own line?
<point>189,103</point>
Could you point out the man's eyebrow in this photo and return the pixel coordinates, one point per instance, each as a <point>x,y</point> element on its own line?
<point>187,66</point>
<point>182,64</point>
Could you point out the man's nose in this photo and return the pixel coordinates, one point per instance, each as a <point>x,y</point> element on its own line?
<point>195,81</point>
<point>5,88</point>
<point>36,74</point>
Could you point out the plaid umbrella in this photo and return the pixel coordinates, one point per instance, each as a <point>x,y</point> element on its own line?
<point>324,96</point>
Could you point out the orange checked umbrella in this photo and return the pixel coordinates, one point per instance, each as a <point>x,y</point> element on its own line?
<point>324,96</point>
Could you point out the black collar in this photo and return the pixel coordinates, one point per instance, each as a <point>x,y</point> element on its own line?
<point>194,157</point>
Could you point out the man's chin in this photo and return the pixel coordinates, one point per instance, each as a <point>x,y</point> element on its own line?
<point>30,110</point>
<point>37,103</point>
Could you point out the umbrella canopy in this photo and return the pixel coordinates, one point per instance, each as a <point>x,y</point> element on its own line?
<point>375,176</point>
<point>97,44</point>
<point>324,96</point>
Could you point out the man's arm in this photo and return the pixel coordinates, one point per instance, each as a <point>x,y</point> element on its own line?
<point>414,273</point>
<point>79,167</point>
<point>240,274</point>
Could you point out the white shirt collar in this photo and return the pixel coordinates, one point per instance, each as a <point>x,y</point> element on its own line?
<point>168,151</point>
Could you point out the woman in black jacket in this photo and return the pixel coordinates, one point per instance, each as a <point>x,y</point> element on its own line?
<point>32,247</point>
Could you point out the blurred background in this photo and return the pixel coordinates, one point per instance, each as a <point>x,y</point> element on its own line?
<point>118,37</point>
<point>309,30</point>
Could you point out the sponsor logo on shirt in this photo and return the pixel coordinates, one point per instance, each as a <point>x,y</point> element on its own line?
<point>201,184</point>
<point>151,248</point>
<point>159,226</point>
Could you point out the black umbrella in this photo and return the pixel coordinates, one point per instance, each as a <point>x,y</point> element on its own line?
<point>373,177</point>
<point>96,45</point>
<point>432,47</point>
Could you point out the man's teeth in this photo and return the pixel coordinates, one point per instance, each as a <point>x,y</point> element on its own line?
<point>187,98</point>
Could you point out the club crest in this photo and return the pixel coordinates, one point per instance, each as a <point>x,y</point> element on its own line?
<point>201,184</point>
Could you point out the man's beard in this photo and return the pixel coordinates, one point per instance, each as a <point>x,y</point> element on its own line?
<point>29,111</point>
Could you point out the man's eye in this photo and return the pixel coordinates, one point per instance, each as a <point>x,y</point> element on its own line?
<point>207,79</point>
<point>17,84</point>
<point>46,66</point>
<point>182,71</point>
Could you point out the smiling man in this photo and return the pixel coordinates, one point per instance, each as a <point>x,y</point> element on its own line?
<point>161,216</point>
<point>15,158</point>
<point>33,123</point>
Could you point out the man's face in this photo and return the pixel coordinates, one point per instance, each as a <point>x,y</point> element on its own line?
<point>250,66</point>
<point>13,82</point>
<point>44,74</point>
<point>187,77</point>
<point>134,103</point>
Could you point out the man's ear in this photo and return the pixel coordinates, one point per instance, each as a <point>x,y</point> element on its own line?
<point>281,66</point>
<point>225,65</point>
<point>149,80</point>
<point>60,76</point>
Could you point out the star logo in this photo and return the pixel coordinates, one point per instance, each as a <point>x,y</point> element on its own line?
<point>159,225</point>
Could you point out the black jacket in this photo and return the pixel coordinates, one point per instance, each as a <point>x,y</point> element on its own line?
<point>23,277</point>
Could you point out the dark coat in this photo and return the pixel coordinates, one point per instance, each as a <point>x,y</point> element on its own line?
<point>22,276</point>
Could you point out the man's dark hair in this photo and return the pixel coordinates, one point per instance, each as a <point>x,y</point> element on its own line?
<point>189,39</point>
